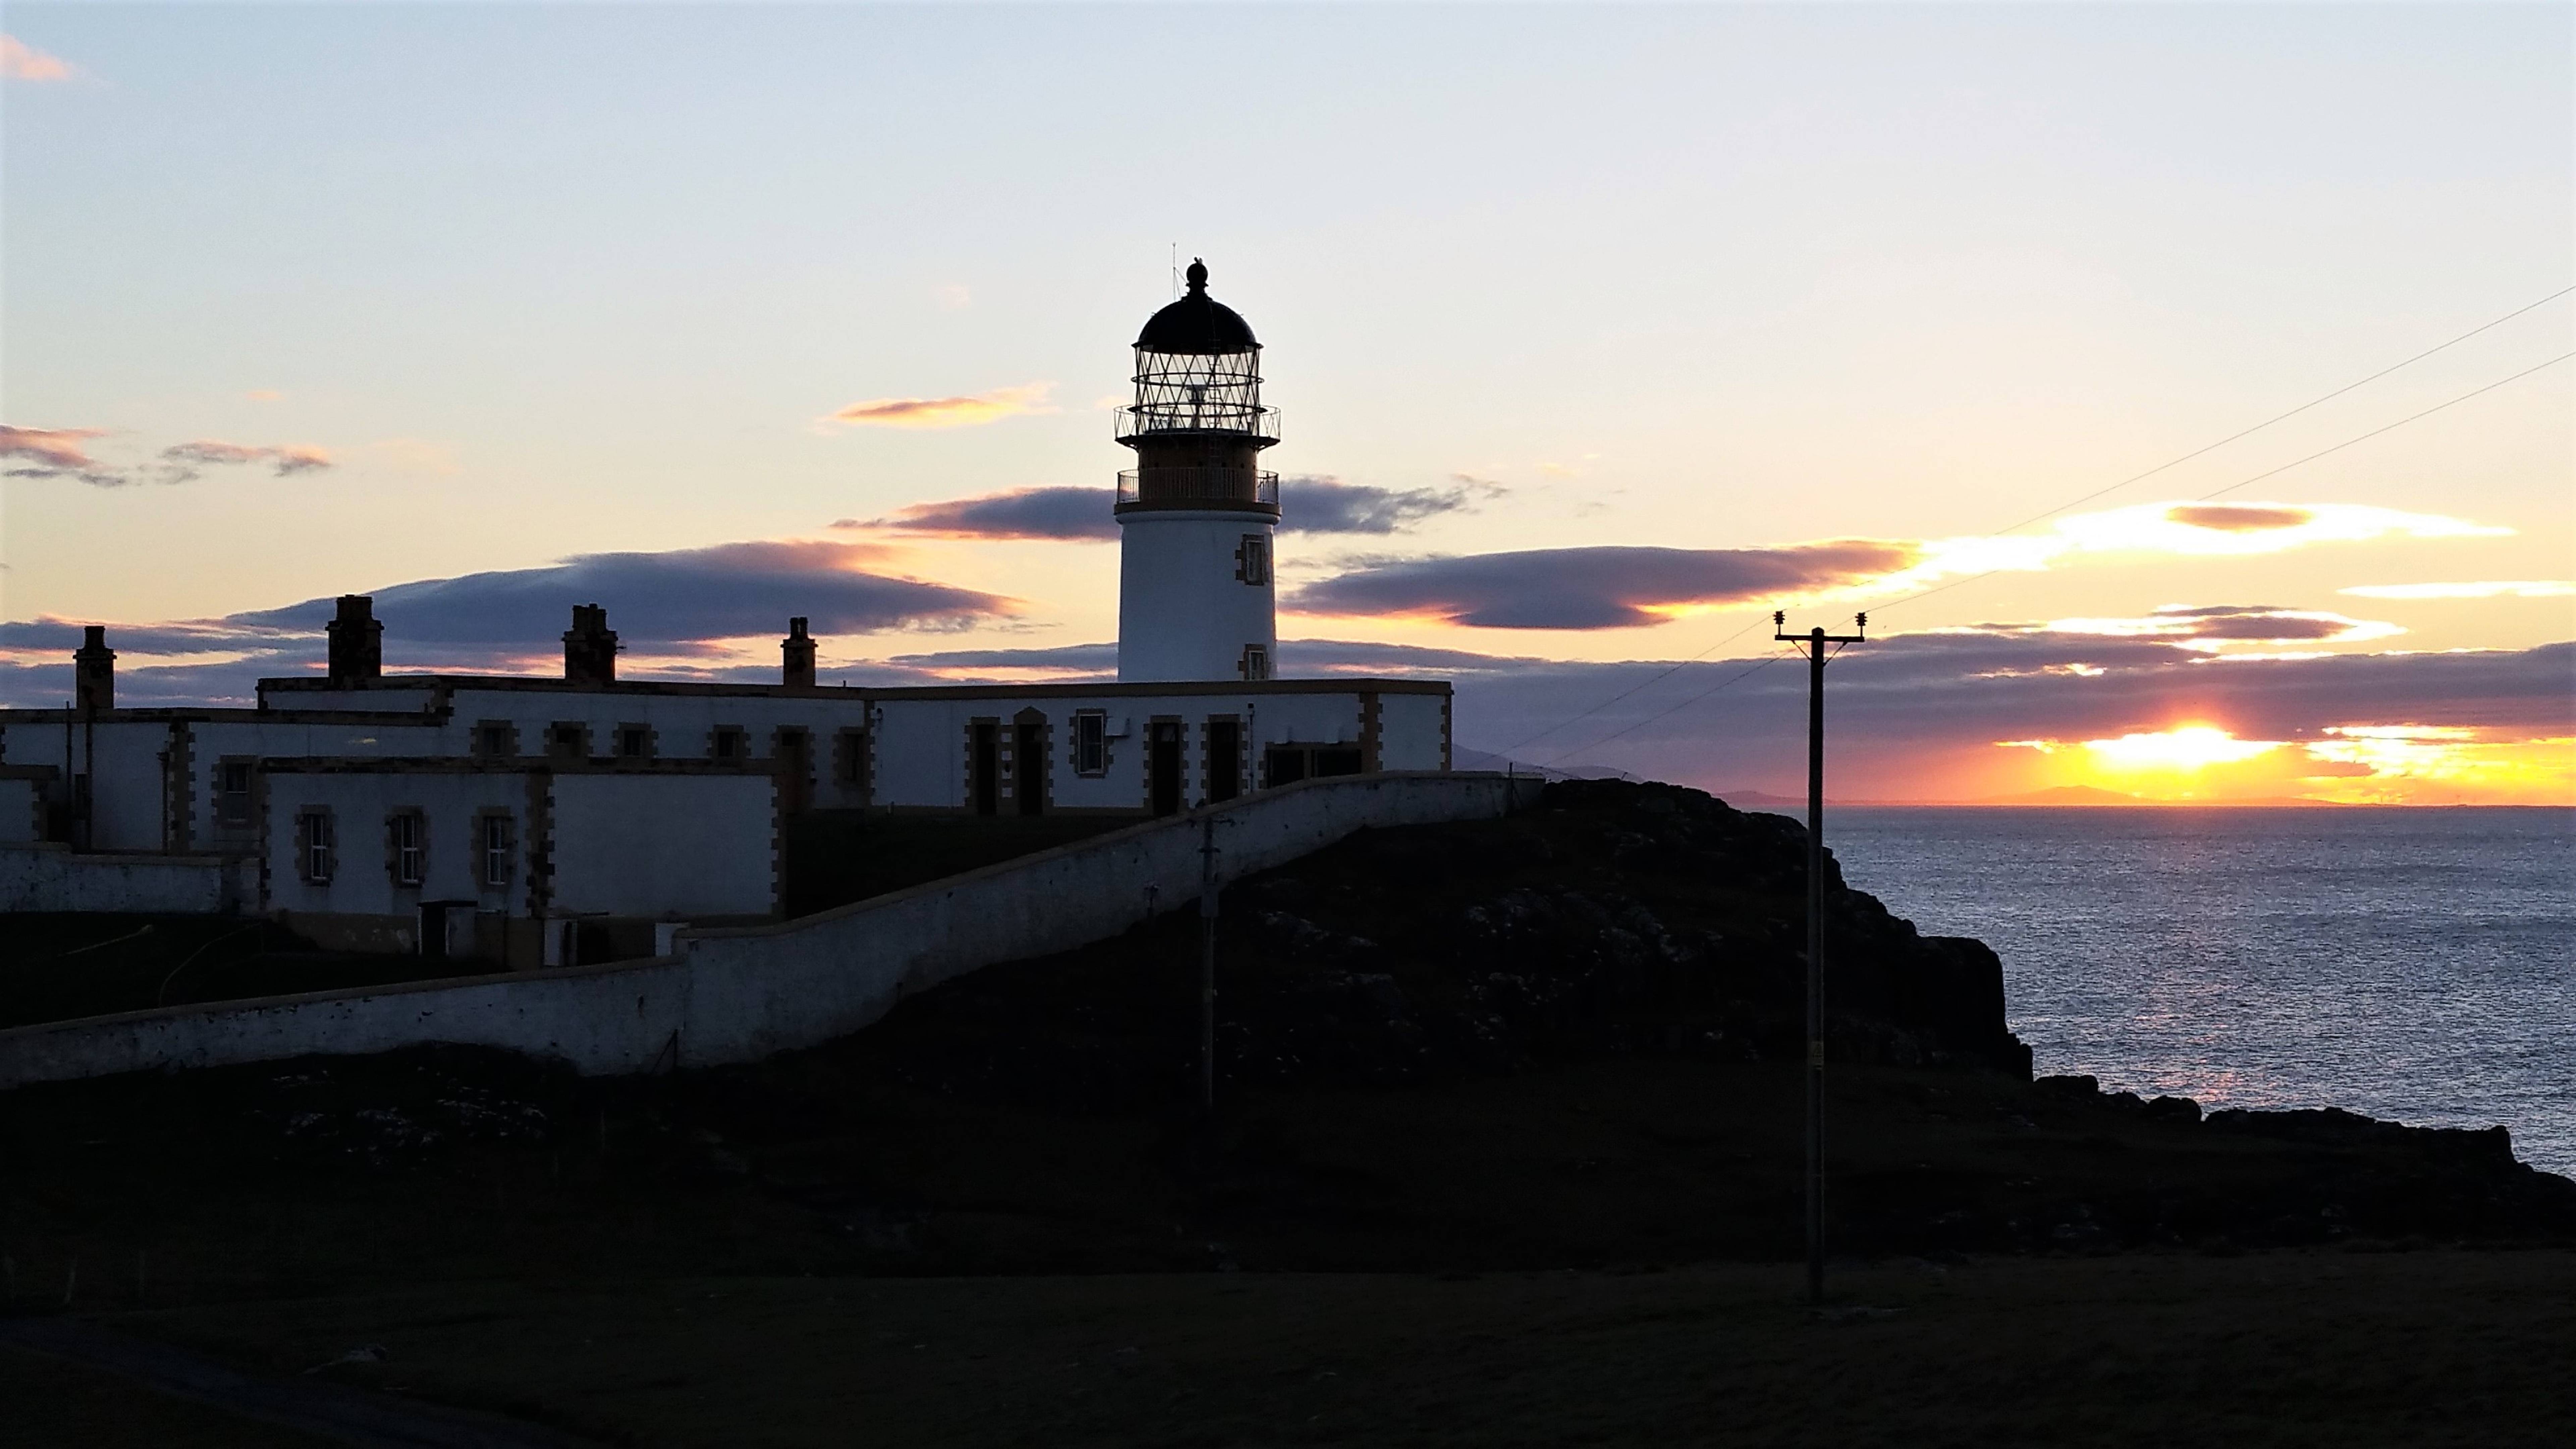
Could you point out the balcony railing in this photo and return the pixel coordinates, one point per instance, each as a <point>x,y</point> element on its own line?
<point>1198,488</point>
<point>1198,417</point>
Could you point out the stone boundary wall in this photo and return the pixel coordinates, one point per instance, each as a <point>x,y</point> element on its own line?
<point>740,994</point>
<point>50,876</point>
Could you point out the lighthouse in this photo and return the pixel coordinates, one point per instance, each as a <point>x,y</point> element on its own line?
<point>1196,514</point>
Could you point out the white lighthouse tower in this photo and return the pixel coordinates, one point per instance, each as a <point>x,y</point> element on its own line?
<point>1196,514</point>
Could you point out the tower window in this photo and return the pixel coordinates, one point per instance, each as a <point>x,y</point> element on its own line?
<point>1252,559</point>
<point>1256,662</point>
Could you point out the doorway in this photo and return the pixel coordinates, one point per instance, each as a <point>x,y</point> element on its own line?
<point>1224,760</point>
<point>984,767</point>
<point>1164,768</point>
<point>1029,765</point>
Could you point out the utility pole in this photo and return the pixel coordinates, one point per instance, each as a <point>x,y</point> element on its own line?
<point>1813,643</point>
<point>1207,965</point>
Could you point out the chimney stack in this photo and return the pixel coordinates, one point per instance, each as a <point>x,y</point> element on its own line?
<point>357,641</point>
<point>798,648</point>
<point>590,646</point>
<point>94,672</point>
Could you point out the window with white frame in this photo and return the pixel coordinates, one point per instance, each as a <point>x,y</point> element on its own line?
<point>1256,662</point>
<point>1252,559</point>
<point>406,838</point>
<point>496,846</point>
<point>1090,742</point>
<point>314,855</point>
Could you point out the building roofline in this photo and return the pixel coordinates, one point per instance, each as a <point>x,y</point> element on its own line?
<point>538,684</point>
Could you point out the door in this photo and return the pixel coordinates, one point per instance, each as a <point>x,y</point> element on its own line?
<point>1029,766</point>
<point>1225,759</point>
<point>986,768</point>
<point>795,771</point>
<point>1164,767</point>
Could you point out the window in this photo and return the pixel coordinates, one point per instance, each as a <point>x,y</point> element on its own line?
<point>850,759</point>
<point>495,845</point>
<point>568,740</point>
<point>727,743</point>
<point>1252,559</point>
<point>232,792</point>
<point>634,742</point>
<point>406,834</point>
<point>1090,742</point>
<point>496,739</point>
<point>313,846</point>
<point>1256,662</point>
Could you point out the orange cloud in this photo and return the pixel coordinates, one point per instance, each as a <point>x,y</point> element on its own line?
<point>54,450</point>
<point>946,412</point>
<point>23,62</point>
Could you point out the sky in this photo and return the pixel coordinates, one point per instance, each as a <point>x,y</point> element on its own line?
<point>1600,333</point>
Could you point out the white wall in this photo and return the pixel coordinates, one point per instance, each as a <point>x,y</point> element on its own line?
<point>740,995</point>
<point>671,846</point>
<point>22,811</point>
<point>1413,731</point>
<point>1182,612</point>
<point>360,802</point>
<point>49,877</point>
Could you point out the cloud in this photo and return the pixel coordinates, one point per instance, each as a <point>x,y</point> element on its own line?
<point>1063,513</point>
<point>2502,589</point>
<point>945,412</point>
<point>2211,625</point>
<point>683,604</point>
<point>728,591</point>
<point>20,61</point>
<point>1308,504</point>
<point>287,460</point>
<point>1315,503</point>
<point>64,453</point>
<point>2237,517</point>
<point>2204,529</point>
<point>1916,715</point>
<point>1594,588</point>
<point>49,452</point>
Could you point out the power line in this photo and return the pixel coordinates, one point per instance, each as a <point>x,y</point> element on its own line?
<point>2294,412</point>
<point>2401,422</point>
<point>2268,472</point>
<point>1758,665</point>
<point>1632,689</point>
<point>1668,672</point>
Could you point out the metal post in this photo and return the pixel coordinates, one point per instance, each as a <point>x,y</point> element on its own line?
<point>1816,966</point>
<point>1207,965</point>
<point>1814,642</point>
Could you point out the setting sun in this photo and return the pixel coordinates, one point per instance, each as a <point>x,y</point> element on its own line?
<point>2191,747</point>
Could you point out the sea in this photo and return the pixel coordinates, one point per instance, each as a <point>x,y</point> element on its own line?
<point>2413,964</point>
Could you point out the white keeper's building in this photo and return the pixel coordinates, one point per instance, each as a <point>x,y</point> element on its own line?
<point>440,812</point>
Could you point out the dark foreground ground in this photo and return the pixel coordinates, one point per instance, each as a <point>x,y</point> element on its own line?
<point>2307,1348</point>
<point>1508,1152</point>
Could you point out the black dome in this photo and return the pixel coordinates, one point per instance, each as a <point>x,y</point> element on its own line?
<point>1197,323</point>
